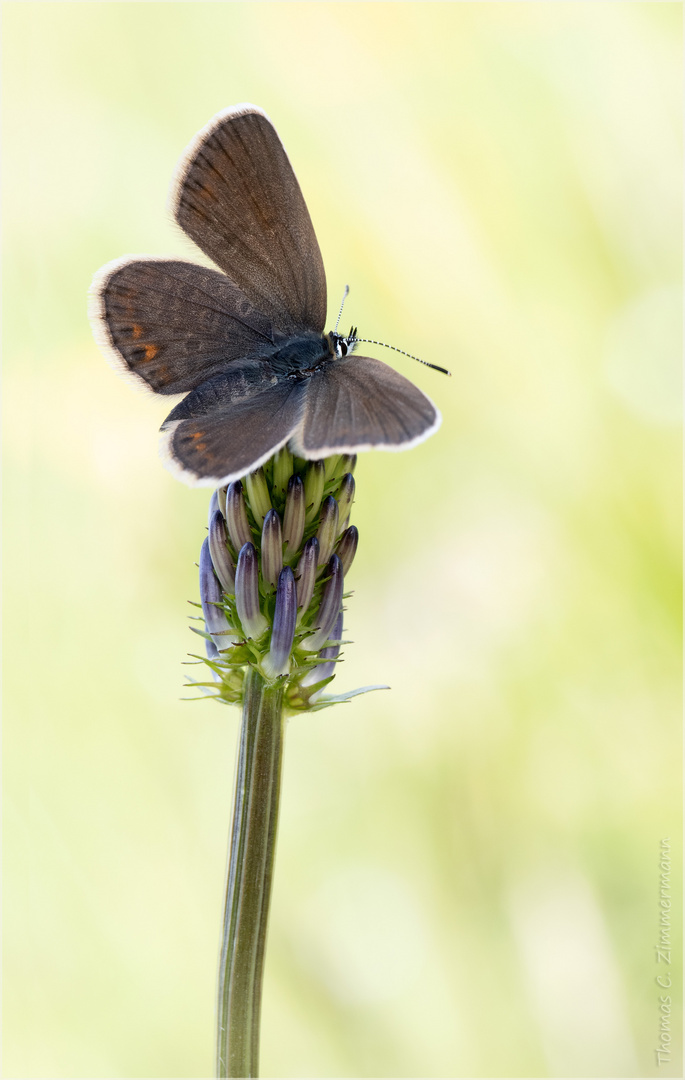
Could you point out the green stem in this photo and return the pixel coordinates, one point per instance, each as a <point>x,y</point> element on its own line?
<point>250,868</point>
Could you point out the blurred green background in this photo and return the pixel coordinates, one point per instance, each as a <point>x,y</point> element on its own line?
<point>467,875</point>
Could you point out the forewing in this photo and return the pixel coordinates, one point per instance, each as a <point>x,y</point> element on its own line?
<point>231,424</point>
<point>237,197</point>
<point>359,404</point>
<point>172,324</point>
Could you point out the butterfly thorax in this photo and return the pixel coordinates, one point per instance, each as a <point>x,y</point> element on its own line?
<point>302,355</point>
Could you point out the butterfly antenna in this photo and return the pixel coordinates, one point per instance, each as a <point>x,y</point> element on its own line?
<point>347,289</point>
<point>370,341</point>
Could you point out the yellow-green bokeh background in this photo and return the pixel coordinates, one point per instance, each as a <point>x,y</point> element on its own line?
<point>467,874</point>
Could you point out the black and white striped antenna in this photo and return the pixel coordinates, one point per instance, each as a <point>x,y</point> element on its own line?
<point>351,339</point>
<point>372,341</point>
<point>345,295</point>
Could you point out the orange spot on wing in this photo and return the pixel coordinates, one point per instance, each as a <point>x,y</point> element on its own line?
<point>137,331</point>
<point>196,436</point>
<point>150,351</point>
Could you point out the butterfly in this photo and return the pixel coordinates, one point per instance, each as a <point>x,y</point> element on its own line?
<point>245,343</point>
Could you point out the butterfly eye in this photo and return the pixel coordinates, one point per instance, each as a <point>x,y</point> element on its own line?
<point>342,347</point>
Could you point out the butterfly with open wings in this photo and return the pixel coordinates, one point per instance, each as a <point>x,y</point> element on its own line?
<point>246,343</point>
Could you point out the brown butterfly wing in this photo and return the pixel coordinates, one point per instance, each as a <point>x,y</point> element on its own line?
<point>359,403</point>
<point>173,324</point>
<point>237,197</point>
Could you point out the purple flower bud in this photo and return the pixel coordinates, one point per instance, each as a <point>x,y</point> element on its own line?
<point>247,593</point>
<point>224,566</point>
<point>347,547</point>
<point>277,660</point>
<point>345,497</point>
<point>293,518</point>
<point>306,575</point>
<point>221,496</point>
<point>272,548</point>
<point>329,608</point>
<point>327,532</point>
<point>258,495</point>
<point>236,516</point>
<point>313,489</point>
<point>216,622</point>
<point>283,467</point>
<point>323,671</point>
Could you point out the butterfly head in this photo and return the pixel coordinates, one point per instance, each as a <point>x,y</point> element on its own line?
<point>342,345</point>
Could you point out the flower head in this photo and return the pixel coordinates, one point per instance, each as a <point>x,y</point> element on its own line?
<point>272,574</point>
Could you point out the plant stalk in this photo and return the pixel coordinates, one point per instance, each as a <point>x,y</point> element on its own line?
<point>250,869</point>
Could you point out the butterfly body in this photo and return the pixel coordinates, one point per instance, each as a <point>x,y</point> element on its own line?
<point>301,356</point>
<point>246,342</point>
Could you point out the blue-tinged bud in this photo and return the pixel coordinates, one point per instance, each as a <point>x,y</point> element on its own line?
<point>236,516</point>
<point>224,567</point>
<point>306,575</point>
<point>272,548</point>
<point>324,671</point>
<point>329,608</point>
<point>283,467</point>
<point>347,547</point>
<point>293,518</point>
<point>258,495</point>
<point>213,507</point>
<point>345,497</point>
<point>216,622</point>
<point>247,593</point>
<point>313,489</point>
<point>327,532</point>
<point>277,660</point>
<point>330,465</point>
